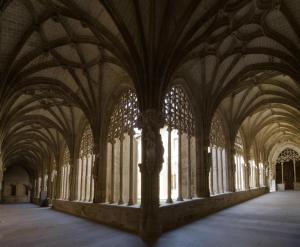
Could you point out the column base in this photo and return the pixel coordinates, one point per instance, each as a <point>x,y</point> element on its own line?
<point>281,187</point>
<point>296,186</point>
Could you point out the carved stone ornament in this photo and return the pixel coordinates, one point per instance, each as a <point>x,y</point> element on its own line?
<point>151,122</point>
<point>286,155</point>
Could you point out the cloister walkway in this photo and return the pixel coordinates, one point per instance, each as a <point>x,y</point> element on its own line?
<point>270,220</point>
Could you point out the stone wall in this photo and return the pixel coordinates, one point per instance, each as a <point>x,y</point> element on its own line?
<point>16,185</point>
<point>123,217</point>
<point>181,213</point>
<point>173,215</point>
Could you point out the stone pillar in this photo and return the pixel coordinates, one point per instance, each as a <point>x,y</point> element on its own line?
<point>282,181</point>
<point>231,170</point>
<point>210,168</point>
<point>247,175</point>
<point>58,183</point>
<point>257,174</point>
<point>203,165</point>
<point>169,199</point>
<point>152,159</point>
<point>95,168</point>
<point>112,173</point>
<point>266,173</point>
<point>1,178</point>
<point>73,179</point>
<point>121,171</point>
<point>180,185</point>
<point>295,174</point>
<point>49,185</point>
<point>130,199</point>
<point>189,194</point>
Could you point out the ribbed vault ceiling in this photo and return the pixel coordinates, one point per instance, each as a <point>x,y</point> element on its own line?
<point>62,60</point>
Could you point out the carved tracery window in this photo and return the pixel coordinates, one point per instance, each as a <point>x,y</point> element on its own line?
<point>85,167</point>
<point>177,111</point>
<point>177,177</point>
<point>287,155</point>
<point>124,117</point>
<point>124,148</point>
<point>65,174</point>
<point>218,169</point>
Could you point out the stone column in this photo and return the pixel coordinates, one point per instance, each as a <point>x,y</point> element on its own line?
<point>130,199</point>
<point>257,174</point>
<point>152,159</point>
<point>231,170</point>
<point>247,175</point>
<point>99,195</point>
<point>189,194</point>
<point>121,171</point>
<point>202,163</point>
<point>210,168</point>
<point>1,178</point>
<point>49,185</point>
<point>295,174</point>
<point>179,198</point>
<point>112,173</point>
<point>73,179</point>
<point>169,199</point>
<point>58,182</point>
<point>282,181</point>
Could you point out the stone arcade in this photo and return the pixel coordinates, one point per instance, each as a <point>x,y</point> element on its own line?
<point>147,115</point>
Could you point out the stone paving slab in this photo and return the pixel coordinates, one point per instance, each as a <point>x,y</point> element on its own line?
<point>270,220</point>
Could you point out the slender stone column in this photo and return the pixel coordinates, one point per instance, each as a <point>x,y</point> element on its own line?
<point>81,179</point>
<point>112,173</point>
<point>217,169</point>
<point>295,174</point>
<point>86,178</point>
<point>282,181</point>
<point>49,185</point>
<point>222,170</point>
<point>152,159</point>
<point>169,199</point>
<point>247,175</point>
<point>121,171</point>
<point>179,198</point>
<point>130,198</point>
<point>211,168</point>
<point>92,178</point>
<point>189,186</point>
<point>257,174</point>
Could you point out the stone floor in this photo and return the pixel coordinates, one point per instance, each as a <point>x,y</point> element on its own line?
<point>270,220</point>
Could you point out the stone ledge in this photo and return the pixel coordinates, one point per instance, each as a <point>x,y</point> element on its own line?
<point>174,215</point>
<point>123,217</point>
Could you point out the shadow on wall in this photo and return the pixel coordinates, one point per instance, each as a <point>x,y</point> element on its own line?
<point>17,186</point>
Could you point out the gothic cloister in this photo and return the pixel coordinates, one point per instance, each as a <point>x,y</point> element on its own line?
<point>145,116</point>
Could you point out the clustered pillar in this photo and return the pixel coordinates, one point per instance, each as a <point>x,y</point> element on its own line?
<point>152,159</point>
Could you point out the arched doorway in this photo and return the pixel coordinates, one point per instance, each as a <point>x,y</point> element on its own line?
<point>288,170</point>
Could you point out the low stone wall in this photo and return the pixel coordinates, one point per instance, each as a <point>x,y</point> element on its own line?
<point>122,217</point>
<point>15,199</point>
<point>36,200</point>
<point>172,215</point>
<point>177,214</point>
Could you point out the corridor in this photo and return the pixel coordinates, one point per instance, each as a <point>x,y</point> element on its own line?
<point>270,220</point>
